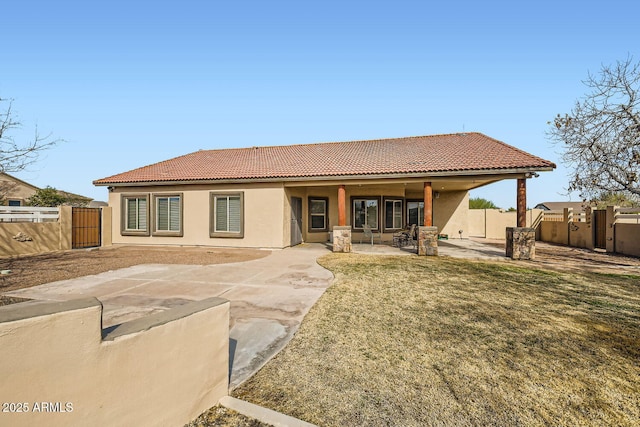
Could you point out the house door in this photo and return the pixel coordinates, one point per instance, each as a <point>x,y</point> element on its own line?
<point>296,221</point>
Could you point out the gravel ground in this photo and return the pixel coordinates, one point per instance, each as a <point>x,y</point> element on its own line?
<point>28,271</point>
<point>567,258</point>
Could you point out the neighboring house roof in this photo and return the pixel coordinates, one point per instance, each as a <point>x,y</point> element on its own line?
<point>557,206</point>
<point>5,177</point>
<point>463,152</point>
<point>11,186</point>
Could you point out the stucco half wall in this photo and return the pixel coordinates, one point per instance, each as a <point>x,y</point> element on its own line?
<point>627,239</point>
<point>492,223</point>
<point>58,370</point>
<point>39,237</point>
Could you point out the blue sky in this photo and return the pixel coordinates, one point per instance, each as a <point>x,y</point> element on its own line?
<point>129,83</point>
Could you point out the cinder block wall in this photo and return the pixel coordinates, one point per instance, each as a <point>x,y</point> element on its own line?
<point>59,370</point>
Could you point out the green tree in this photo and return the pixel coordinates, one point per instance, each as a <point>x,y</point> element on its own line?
<point>47,197</point>
<point>615,199</point>
<point>480,203</point>
<point>600,137</point>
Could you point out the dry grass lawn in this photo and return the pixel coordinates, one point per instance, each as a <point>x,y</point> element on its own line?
<point>219,416</point>
<point>417,341</point>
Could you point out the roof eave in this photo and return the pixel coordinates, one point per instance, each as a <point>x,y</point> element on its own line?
<point>507,173</point>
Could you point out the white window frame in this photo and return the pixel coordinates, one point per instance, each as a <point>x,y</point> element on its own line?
<point>420,212</point>
<point>324,214</point>
<point>367,200</point>
<point>396,206</point>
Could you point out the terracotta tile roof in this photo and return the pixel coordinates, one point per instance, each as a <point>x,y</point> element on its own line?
<point>464,152</point>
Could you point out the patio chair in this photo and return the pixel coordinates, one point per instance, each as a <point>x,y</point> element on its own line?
<point>411,236</point>
<point>405,237</point>
<point>400,238</point>
<point>368,233</point>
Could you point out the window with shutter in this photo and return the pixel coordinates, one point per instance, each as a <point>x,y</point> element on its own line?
<point>168,215</point>
<point>227,215</point>
<point>135,214</point>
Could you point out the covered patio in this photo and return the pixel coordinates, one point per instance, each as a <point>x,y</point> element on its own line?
<point>436,209</point>
<point>360,211</point>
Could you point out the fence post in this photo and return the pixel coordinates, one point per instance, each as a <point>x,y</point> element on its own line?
<point>567,218</point>
<point>107,239</point>
<point>611,228</point>
<point>66,230</point>
<point>484,214</point>
<point>588,218</point>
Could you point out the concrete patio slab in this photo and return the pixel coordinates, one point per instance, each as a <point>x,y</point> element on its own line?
<point>457,248</point>
<point>175,288</point>
<point>269,297</point>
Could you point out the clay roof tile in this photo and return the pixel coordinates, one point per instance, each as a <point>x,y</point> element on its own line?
<point>409,155</point>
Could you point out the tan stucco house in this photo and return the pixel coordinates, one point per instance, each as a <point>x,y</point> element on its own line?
<point>16,192</point>
<point>280,196</point>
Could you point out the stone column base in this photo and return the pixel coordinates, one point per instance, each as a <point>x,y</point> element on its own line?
<point>521,243</point>
<point>342,238</point>
<point>428,241</point>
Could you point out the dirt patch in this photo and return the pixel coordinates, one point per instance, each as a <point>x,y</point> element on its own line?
<point>566,258</point>
<point>28,271</point>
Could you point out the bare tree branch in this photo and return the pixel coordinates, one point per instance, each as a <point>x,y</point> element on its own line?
<point>600,137</point>
<point>15,156</point>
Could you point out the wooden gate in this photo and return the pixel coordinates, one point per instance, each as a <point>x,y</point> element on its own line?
<point>85,227</point>
<point>600,228</point>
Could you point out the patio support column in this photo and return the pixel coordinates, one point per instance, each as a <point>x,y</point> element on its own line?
<point>520,240</point>
<point>521,204</point>
<point>342,206</point>
<point>428,234</point>
<point>342,232</point>
<point>428,205</point>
